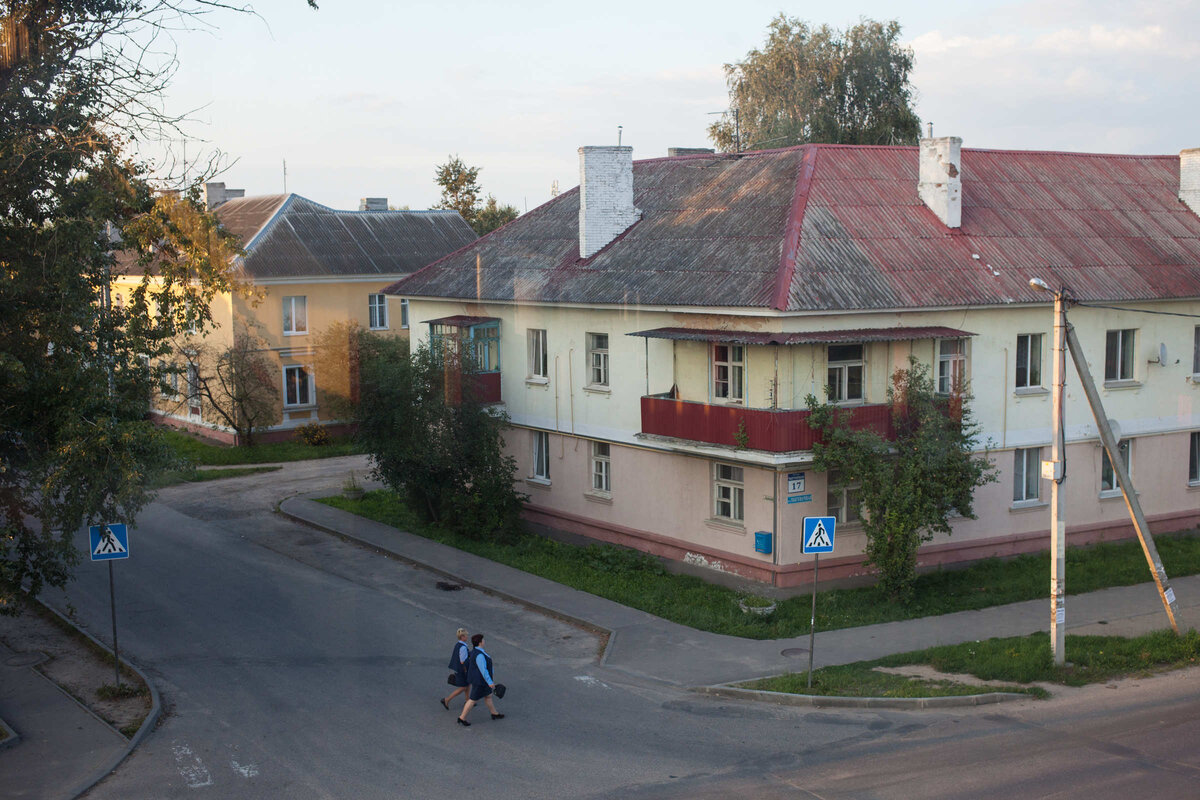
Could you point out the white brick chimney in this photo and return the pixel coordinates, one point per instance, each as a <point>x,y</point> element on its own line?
<point>605,196</point>
<point>940,182</point>
<point>373,204</point>
<point>1189,178</point>
<point>215,194</point>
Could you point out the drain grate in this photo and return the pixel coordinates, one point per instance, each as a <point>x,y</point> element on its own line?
<point>794,652</point>
<point>448,587</point>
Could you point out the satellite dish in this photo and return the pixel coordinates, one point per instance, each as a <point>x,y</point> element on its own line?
<point>1162,354</point>
<point>1115,427</point>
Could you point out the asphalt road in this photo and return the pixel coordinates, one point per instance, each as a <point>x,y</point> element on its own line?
<point>294,665</point>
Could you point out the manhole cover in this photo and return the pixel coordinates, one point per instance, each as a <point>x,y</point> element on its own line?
<point>24,659</point>
<point>794,652</point>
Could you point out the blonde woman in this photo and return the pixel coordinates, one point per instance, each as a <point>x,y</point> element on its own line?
<point>458,666</point>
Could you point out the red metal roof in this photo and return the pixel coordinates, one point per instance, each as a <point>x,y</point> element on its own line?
<point>897,334</point>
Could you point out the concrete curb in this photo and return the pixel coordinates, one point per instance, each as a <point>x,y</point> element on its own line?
<point>896,703</point>
<point>147,724</point>
<point>12,736</point>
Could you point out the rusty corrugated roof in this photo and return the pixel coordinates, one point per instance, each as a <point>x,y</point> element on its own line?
<point>896,334</point>
<point>841,228</point>
<point>291,236</point>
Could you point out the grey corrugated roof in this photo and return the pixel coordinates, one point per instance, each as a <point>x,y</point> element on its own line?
<point>291,236</point>
<point>840,227</point>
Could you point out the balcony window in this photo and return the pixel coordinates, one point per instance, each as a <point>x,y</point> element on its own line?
<point>845,374</point>
<point>729,370</point>
<point>1118,355</point>
<point>951,369</point>
<point>728,492</point>
<point>1029,360</point>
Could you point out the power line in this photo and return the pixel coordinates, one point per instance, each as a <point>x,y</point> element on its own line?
<point>1138,310</point>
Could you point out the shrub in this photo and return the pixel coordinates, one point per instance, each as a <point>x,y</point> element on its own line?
<point>314,434</point>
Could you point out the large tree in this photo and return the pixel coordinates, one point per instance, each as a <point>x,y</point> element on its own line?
<point>820,85</point>
<point>461,191</point>
<point>238,382</point>
<point>910,486</point>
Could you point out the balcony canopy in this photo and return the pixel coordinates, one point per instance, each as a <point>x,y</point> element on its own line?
<point>897,334</point>
<point>462,321</point>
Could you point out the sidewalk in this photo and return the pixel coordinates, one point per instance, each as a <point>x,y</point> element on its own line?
<point>650,647</point>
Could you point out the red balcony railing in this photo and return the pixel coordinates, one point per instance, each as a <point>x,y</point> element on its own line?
<point>776,431</point>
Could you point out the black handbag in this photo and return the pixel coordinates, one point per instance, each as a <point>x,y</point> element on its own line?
<point>500,690</point>
<point>450,679</point>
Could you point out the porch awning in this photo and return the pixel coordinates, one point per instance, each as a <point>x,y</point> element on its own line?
<point>897,334</point>
<point>462,321</point>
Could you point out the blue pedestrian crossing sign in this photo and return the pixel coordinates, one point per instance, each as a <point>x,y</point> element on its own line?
<point>818,534</point>
<point>109,542</point>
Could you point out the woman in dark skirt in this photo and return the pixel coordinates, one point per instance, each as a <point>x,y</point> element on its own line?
<point>458,666</point>
<point>482,679</point>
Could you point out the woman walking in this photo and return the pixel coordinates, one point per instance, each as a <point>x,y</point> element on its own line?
<point>458,665</point>
<point>482,680</point>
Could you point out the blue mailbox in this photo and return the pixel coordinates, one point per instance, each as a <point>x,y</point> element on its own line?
<point>762,541</point>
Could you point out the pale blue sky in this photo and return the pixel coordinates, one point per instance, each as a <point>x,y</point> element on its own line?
<point>365,98</point>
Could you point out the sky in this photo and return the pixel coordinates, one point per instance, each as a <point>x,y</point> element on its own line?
<point>366,98</point>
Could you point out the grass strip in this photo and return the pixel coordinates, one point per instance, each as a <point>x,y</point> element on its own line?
<point>200,453</point>
<point>637,580</point>
<point>1015,659</point>
<point>178,476</point>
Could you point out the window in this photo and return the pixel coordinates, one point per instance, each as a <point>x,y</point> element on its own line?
<point>1118,355</point>
<point>295,315</point>
<point>537,354</point>
<point>193,390</point>
<point>728,492</point>
<point>951,361</point>
<point>1194,460</point>
<point>404,313</point>
<point>598,359</point>
<point>601,467</point>
<point>1029,360</point>
<point>1196,353</point>
<point>169,382</point>
<point>377,311</point>
<point>1027,469</point>
<point>541,455</point>
<point>1108,476</point>
<point>485,346</point>
<point>297,387</point>
<point>729,371</point>
<point>843,501</point>
<point>845,377</point>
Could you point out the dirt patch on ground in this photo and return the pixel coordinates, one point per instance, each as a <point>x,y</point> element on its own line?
<point>75,663</point>
<point>928,673</point>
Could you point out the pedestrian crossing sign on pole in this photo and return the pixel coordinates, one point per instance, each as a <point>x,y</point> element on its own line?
<point>109,542</point>
<point>818,534</point>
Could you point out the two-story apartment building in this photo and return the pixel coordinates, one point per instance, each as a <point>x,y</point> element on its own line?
<point>311,267</point>
<point>653,335</point>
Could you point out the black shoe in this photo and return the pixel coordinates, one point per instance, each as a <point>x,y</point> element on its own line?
<point>462,722</point>
<point>443,702</point>
<point>497,716</point>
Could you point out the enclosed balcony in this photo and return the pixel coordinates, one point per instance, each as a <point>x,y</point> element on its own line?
<point>470,349</point>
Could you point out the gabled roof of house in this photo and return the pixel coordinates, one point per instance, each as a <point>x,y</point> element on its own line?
<point>291,236</point>
<point>840,227</point>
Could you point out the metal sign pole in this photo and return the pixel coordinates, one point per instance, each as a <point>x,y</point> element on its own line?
<point>812,628</point>
<point>112,601</point>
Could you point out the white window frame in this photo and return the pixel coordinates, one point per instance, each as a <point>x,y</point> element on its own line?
<point>1027,475</point>
<point>193,390</point>
<point>1032,359</point>
<point>377,312</point>
<point>289,314</point>
<point>1114,489</point>
<point>601,458</point>
<point>838,385</point>
<point>843,503</point>
<point>404,313</point>
<point>598,360</point>
<point>729,492</point>
<point>539,359</point>
<point>1194,459</point>
<point>541,456</point>
<point>311,382</point>
<point>951,367</point>
<point>1125,361</point>
<point>728,373</point>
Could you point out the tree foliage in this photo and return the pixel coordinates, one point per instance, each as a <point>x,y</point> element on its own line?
<point>910,487</point>
<point>820,85</point>
<point>75,212</point>
<point>461,192</point>
<point>443,454</point>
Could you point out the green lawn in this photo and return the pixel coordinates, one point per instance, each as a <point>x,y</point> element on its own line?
<point>1017,659</point>
<point>178,476</point>
<point>200,453</point>
<point>639,581</point>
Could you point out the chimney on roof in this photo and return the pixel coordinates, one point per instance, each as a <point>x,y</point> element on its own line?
<point>940,181</point>
<point>1189,178</point>
<point>605,196</point>
<point>215,194</point>
<point>689,151</point>
<point>373,204</point>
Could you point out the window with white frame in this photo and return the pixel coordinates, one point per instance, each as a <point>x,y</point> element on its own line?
<point>297,387</point>
<point>1029,360</point>
<point>1118,355</point>
<point>193,390</point>
<point>952,361</point>
<point>377,311</point>
<point>404,313</point>
<point>601,467</point>
<point>538,360</point>
<point>845,374</point>
<point>295,315</point>
<point>597,359</point>
<point>1194,460</point>
<point>1108,476</point>
<point>729,372</point>
<point>1196,352</point>
<point>169,381</point>
<point>541,455</point>
<point>843,500</point>
<point>1027,470</point>
<point>729,491</point>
